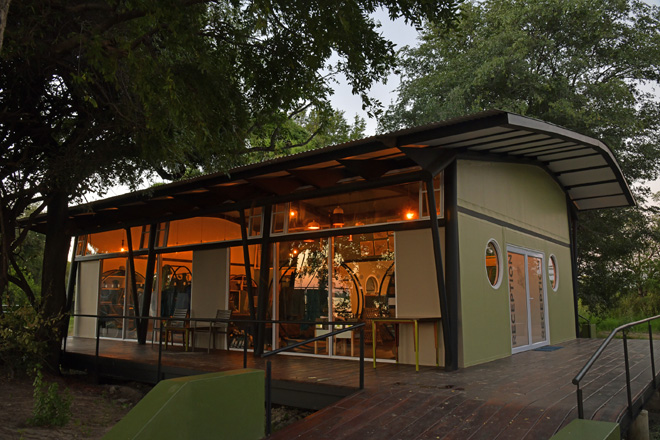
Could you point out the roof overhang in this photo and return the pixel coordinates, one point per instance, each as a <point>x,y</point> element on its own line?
<point>583,166</point>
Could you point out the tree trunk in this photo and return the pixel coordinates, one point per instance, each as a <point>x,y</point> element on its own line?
<point>4,11</point>
<point>53,288</point>
<point>5,239</point>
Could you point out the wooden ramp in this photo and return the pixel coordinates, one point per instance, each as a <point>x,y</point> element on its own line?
<point>525,396</point>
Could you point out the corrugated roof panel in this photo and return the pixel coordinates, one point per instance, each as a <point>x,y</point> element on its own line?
<point>578,163</point>
<point>530,141</point>
<point>599,190</point>
<point>485,142</point>
<point>587,176</point>
<point>536,151</point>
<point>603,202</point>
<point>570,152</point>
<point>441,141</point>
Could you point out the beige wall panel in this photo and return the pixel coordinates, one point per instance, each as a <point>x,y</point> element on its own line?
<point>209,288</point>
<point>484,329</point>
<point>87,297</point>
<point>524,195</point>
<point>417,292</point>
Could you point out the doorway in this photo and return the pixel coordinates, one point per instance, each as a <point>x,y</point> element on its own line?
<point>527,299</point>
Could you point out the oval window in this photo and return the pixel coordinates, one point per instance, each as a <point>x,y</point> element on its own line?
<point>493,263</point>
<point>553,273</point>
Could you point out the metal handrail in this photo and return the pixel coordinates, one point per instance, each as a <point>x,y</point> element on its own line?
<point>586,319</point>
<point>624,329</point>
<point>101,318</point>
<point>308,341</point>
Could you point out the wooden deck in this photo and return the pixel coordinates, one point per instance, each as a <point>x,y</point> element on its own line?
<point>525,396</point>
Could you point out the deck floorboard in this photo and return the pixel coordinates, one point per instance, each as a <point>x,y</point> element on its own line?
<point>525,396</point>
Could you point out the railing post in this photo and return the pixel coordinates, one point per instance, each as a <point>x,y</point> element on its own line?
<point>245,344</point>
<point>160,349</point>
<point>268,400</point>
<point>625,356</point>
<point>579,403</point>
<point>655,384</point>
<point>362,357</point>
<point>96,355</point>
<point>66,334</point>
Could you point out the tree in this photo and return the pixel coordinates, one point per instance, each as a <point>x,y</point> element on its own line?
<point>303,131</point>
<point>93,93</point>
<point>583,64</point>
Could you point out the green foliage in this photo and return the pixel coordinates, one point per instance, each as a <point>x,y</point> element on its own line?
<point>21,347</point>
<point>99,93</point>
<point>303,131</point>
<point>51,408</point>
<point>587,65</point>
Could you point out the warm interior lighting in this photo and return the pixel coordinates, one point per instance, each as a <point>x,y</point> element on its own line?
<point>292,213</point>
<point>410,214</point>
<point>122,246</point>
<point>313,225</point>
<point>338,217</point>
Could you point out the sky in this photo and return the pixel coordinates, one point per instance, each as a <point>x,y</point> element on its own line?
<point>401,35</point>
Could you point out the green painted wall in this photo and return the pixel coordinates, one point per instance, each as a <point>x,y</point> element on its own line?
<point>525,197</point>
<point>227,405</point>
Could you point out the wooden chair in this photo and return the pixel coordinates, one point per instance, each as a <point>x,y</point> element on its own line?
<point>174,326</point>
<point>215,327</point>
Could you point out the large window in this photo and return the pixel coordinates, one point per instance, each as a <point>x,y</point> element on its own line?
<point>396,203</point>
<point>346,279</point>
<point>116,297</point>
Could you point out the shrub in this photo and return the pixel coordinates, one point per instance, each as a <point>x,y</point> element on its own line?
<point>51,408</point>
<point>21,349</point>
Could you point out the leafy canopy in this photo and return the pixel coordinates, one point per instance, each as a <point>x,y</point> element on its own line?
<point>94,93</point>
<point>583,64</point>
<point>588,65</point>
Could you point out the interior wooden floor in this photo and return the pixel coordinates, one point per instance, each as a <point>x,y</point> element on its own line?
<point>525,396</point>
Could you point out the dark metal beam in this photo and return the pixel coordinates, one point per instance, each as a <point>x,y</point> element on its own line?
<point>131,262</point>
<point>321,178</point>
<point>369,169</point>
<point>264,267</point>
<point>452,274</point>
<point>70,288</point>
<point>572,230</point>
<point>277,185</point>
<point>73,273</point>
<point>248,266</point>
<point>439,272</point>
<point>432,160</point>
<point>143,324</point>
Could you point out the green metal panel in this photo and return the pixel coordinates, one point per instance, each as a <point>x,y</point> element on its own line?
<point>580,429</point>
<point>484,330</point>
<point>524,195</point>
<point>226,405</point>
<point>511,201</point>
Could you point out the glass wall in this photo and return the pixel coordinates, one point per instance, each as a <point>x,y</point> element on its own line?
<point>239,295</point>
<point>347,279</point>
<point>396,203</point>
<point>116,297</point>
<point>175,277</point>
<point>302,291</point>
<point>107,242</point>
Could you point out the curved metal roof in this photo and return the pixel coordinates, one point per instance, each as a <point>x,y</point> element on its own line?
<point>584,167</point>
